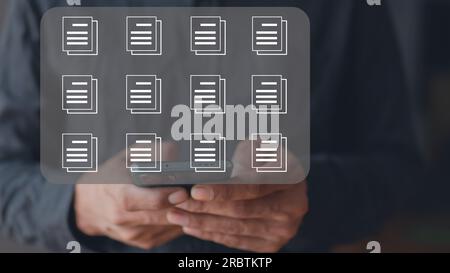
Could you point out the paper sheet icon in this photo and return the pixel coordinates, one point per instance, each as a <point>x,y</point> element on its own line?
<point>269,35</point>
<point>208,94</point>
<point>269,152</point>
<point>208,35</point>
<point>144,35</point>
<point>79,94</point>
<point>143,152</point>
<point>269,94</point>
<point>208,152</point>
<point>143,94</point>
<point>79,152</point>
<point>79,35</point>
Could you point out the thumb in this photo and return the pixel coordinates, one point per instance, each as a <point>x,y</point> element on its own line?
<point>170,151</point>
<point>242,153</point>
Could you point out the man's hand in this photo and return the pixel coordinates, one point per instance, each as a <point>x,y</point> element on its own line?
<point>124,212</point>
<point>252,217</point>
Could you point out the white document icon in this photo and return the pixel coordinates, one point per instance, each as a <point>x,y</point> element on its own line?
<point>144,35</point>
<point>143,152</point>
<point>79,152</point>
<point>208,94</point>
<point>79,94</point>
<point>269,94</point>
<point>208,35</point>
<point>80,35</point>
<point>269,35</point>
<point>269,152</point>
<point>143,94</point>
<point>208,152</point>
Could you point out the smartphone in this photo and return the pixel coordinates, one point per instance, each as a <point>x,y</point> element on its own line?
<point>179,174</point>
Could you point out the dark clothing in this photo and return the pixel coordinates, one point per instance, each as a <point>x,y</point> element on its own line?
<point>364,154</point>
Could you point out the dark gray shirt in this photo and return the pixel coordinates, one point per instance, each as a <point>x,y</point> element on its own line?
<point>364,152</point>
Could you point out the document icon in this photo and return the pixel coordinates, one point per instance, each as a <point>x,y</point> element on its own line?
<point>269,35</point>
<point>208,152</point>
<point>208,35</point>
<point>269,94</point>
<point>143,152</point>
<point>80,35</point>
<point>79,152</point>
<point>143,94</point>
<point>208,94</point>
<point>269,153</point>
<point>144,35</point>
<point>79,94</point>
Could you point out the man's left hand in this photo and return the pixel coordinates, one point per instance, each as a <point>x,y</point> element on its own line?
<point>261,224</point>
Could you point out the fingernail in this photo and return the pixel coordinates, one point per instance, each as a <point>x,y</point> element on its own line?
<point>177,218</point>
<point>202,193</point>
<point>190,231</point>
<point>177,197</point>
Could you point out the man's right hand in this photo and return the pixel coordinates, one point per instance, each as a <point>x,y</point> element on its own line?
<point>129,214</point>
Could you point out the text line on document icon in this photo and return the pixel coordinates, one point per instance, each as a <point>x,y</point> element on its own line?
<point>80,35</point>
<point>269,35</point>
<point>208,35</point>
<point>144,35</point>
<point>79,152</point>
<point>79,94</point>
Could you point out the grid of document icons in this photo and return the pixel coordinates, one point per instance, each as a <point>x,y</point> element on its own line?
<point>143,93</point>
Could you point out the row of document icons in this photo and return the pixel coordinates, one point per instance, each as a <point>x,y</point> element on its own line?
<point>143,94</point>
<point>144,35</point>
<point>207,152</point>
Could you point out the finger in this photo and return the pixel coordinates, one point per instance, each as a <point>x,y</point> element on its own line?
<point>242,154</point>
<point>239,242</point>
<point>131,235</point>
<point>133,198</point>
<point>144,237</point>
<point>170,151</point>
<point>149,240</point>
<point>280,206</point>
<point>230,192</point>
<point>243,209</point>
<point>142,218</point>
<point>213,223</point>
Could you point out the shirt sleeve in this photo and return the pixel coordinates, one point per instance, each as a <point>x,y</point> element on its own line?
<point>32,211</point>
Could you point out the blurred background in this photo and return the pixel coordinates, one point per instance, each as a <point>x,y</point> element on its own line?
<point>423,225</point>
<point>6,245</point>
